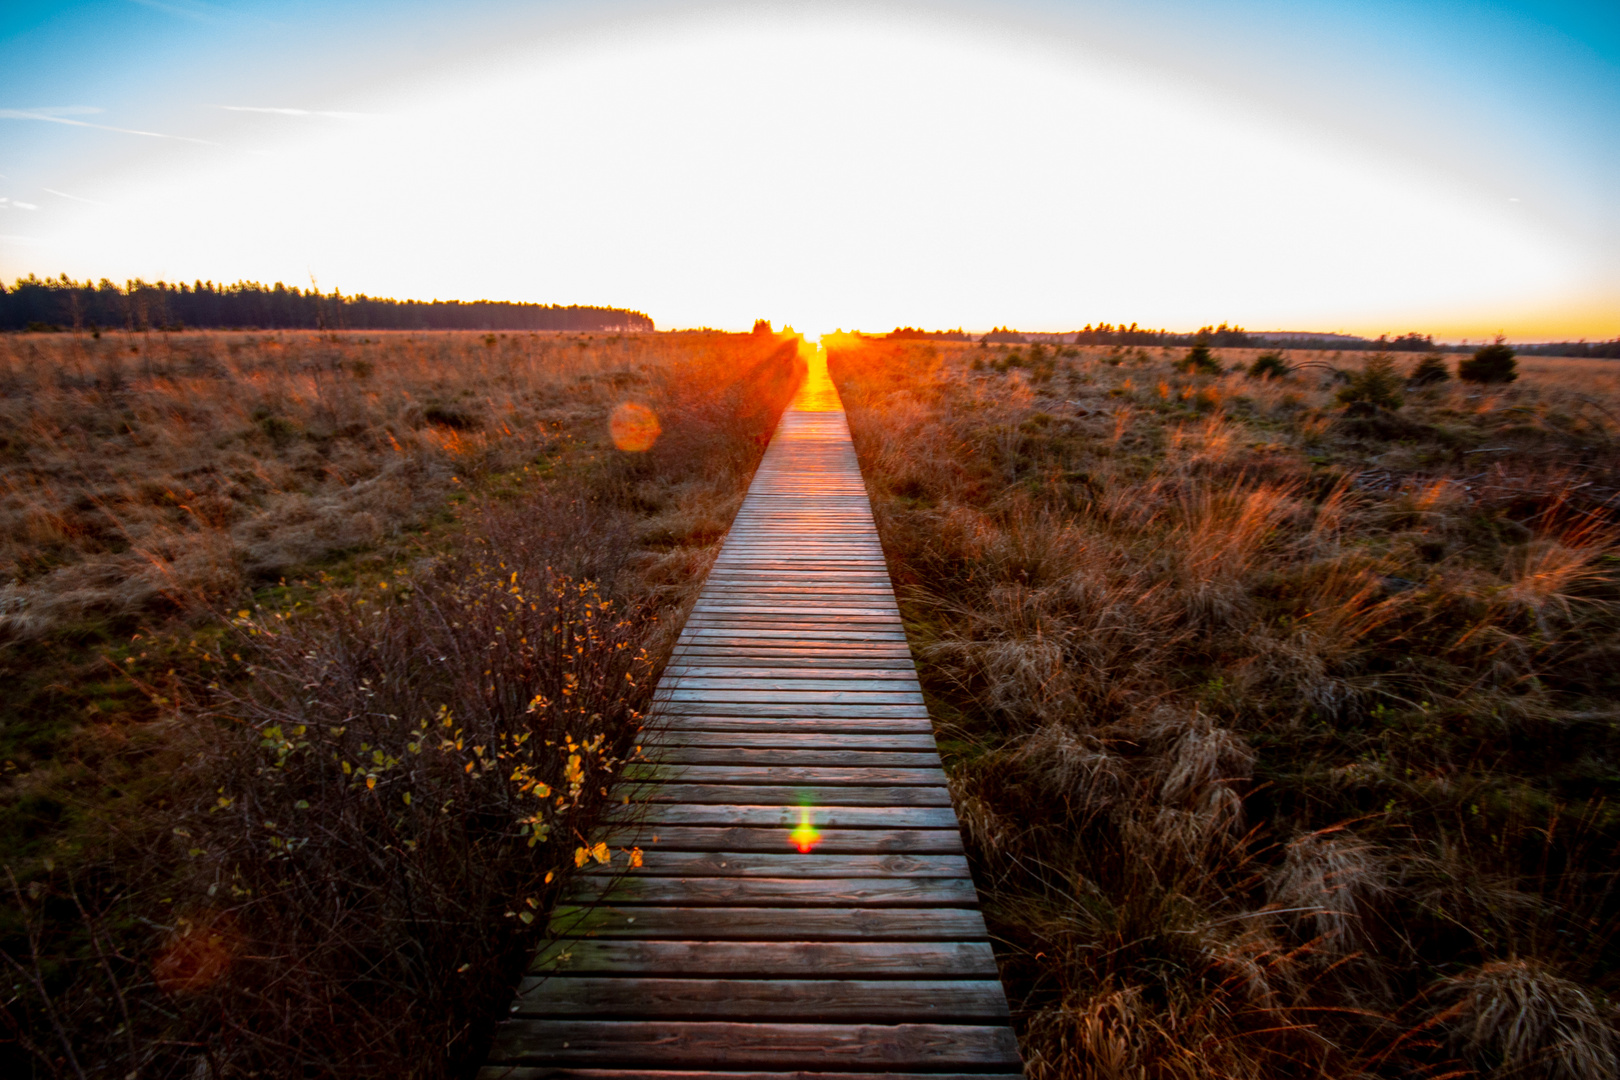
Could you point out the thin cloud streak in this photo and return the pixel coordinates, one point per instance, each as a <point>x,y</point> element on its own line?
<point>68,110</point>
<point>296,112</point>
<point>75,198</point>
<point>207,14</point>
<point>6,204</point>
<point>27,114</point>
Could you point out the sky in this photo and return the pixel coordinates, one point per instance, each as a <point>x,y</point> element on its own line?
<point>1367,167</point>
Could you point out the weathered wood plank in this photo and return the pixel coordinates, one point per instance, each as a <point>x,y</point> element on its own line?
<point>556,1072</point>
<point>767,959</point>
<point>955,1001</point>
<point>658,862</point>
<point>710,629</point>
<point>897,674</point>
<point>819,775</point>
<point>805,710</point>
<point>778,892</point>
<point>743,839</point>
<point>696,680</point>
<point>873,659</point>
<point>786,740</point>
<point>768,924</point>
<point>854,725</point>
<point>710,1045</point>
<point>677,755</point>
<point>679,693</point>
<point>807,795</point>
<point>822,815</point>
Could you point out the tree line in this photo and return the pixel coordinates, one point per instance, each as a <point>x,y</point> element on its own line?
<point>64,304</point>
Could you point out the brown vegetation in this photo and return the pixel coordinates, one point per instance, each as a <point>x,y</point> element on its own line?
<point>1281,721</point>
<point>321,652</point>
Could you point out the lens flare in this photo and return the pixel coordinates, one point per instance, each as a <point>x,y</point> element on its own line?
<point>805,836</point>
<point>634,427</point>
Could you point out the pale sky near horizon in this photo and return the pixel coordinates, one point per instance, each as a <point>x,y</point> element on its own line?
<point>1368,167</point>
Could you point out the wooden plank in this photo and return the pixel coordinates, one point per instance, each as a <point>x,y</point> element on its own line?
<point>768,924</point>
<point>679,691</point>
<point>555,1072</point>
<point>708,629</point>
<point>955,1001</point>
<point>777,892</point>
<point>777,756</point>
<point>855,725</point>
<point>785,815</point>
<point>786,740</point>
<point>854,682</point>
<point>843,660</point>
<point>659,862</point>
<point>757,709</point>
<point>743,838</point>
<point>819,775</point>
<point>847,657</point>
<point>767,959</point>
<point>720,1044</point>
<point>893,674</point>
<point>806,795</point>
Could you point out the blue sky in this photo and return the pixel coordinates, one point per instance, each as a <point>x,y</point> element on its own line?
<point>1447,167</point>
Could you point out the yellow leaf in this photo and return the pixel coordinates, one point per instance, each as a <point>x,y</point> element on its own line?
<point>580,855</point>
<point>635,858</point>
<point>601,853</point>
<point>371,782</point>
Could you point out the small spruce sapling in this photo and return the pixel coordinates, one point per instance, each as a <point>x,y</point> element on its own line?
<point>1199,360</point>
<point>1376,386</point>
<point>1493,363</point>
<point>1270,365</point>
<point>1430,370</point>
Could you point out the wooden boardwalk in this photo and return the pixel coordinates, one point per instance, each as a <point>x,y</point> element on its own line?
<point>804,906</point>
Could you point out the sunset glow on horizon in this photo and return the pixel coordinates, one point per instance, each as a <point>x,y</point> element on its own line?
<point>1037,165</point>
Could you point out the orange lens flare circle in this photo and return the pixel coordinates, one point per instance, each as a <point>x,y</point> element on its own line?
<point>805,836</point>
<point>634,427</point>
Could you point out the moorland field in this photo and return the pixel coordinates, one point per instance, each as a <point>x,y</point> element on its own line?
<point>318,654</point>
<point>1280,712</point>
<point>1278,709</point>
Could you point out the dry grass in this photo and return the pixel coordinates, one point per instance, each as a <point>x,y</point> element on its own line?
<point>1282,727</point>
<point>322,835</point>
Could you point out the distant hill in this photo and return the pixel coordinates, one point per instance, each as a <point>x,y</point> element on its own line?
<point>61,303</point>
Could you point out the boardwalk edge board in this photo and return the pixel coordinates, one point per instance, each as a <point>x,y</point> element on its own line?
<point>803,907</point>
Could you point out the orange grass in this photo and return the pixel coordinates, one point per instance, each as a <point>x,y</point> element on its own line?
<point>1283,733</point>
<point>311,828</point>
